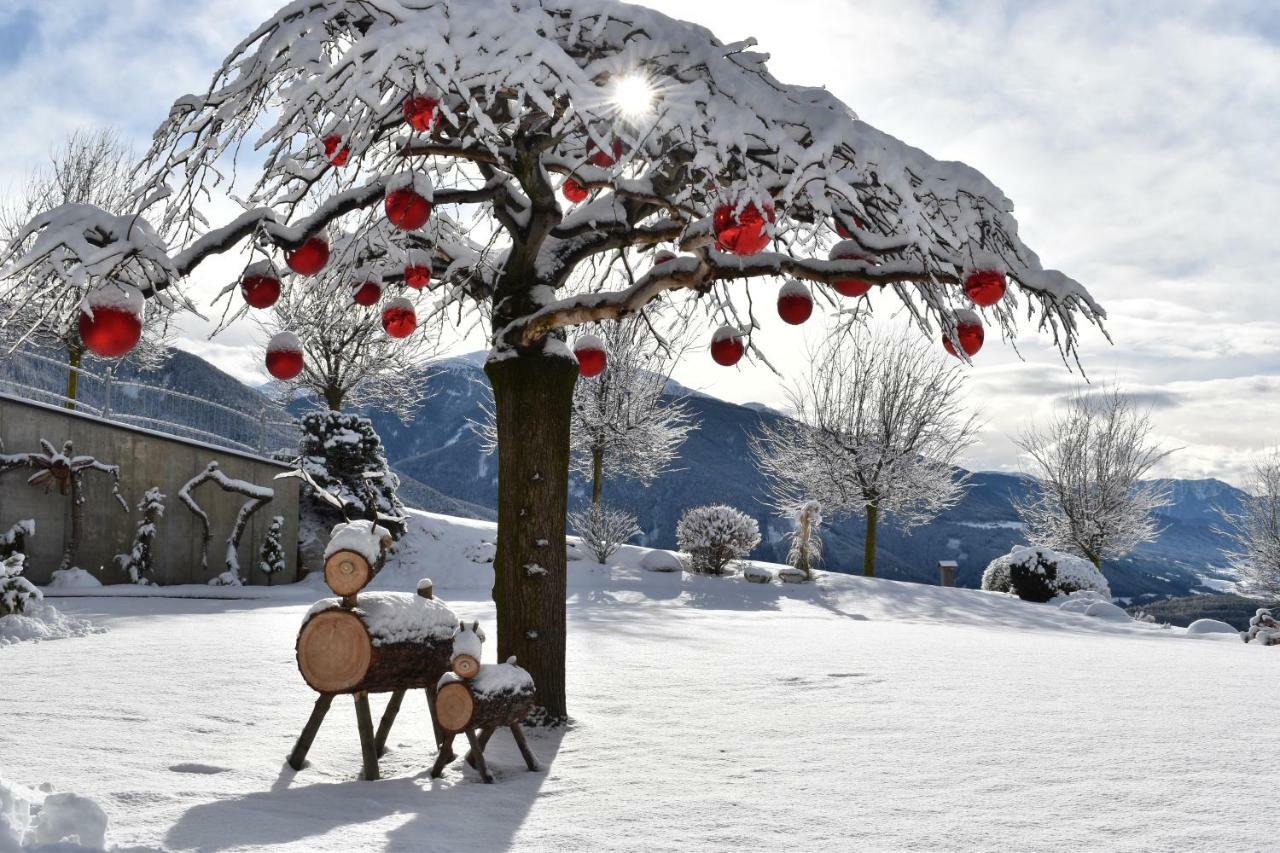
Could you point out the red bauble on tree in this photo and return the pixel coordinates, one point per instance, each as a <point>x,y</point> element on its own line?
<point>985,287</point>
<point>591,355</point>
<point>284,356</point>
<point>398,318</point>
<point>420,112</point>
<point>334,151</point>
<point>260,285</point>
<point>848,250</point>
<point>417,276</point>
<point>605,159</point>
<point>574,191</point>
<point>795,303</point>
<point>742,232</point>
<point>843,230</point>
<point>110,321</point>
<point>367,292</point>
<point>969,332</point>
<point>408,201</point>
<point>310,257</point>
<point>727,346</point>
<point>663,256</point>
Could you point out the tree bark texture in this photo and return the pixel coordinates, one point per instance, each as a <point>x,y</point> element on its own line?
<point>597,476</point>
<point>869,552</point>
<point>74,356</point>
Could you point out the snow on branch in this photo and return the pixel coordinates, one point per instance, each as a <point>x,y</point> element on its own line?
<point>258,496</point>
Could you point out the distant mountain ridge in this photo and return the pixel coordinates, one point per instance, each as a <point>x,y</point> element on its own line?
<point>441,460</point>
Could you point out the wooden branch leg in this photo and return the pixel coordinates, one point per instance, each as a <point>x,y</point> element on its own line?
<point>435,724</point>
<point>478,751</point>
<point>388,717</point>
<point>443,758</point>
<point>485,734</point>
<point>299,755</point>
<point>364,722</point>
<point>517,731</point>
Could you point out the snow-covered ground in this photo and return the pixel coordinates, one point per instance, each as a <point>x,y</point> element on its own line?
<point>709,713</point>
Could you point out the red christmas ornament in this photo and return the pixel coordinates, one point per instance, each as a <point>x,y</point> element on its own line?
<point>398,318</point>
<point>367,293</point>
<point>662,257</point>
<point>575,192</point>
<point>984,287</point>
<point>848,250</point>
<point>727,346</point>
<point>795,305</point>
<point>969,332</point>
<point>844,232</point>
<point>110,320</point>
<point>420,112</point>
<point>407,210</point>
<point>335,151</point>
<point>260,286</point>
<point>742,233</point>
<point>417,276</point>
<point>310,257</point>
<point>603,158</point>
<point>284,356</point>
<point>591,355</point>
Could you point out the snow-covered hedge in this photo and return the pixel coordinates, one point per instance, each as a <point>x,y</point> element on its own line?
<point>714,536</point>
<point>1039,574</point>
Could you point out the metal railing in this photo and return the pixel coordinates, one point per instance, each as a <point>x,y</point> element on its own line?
<point>262,429</point>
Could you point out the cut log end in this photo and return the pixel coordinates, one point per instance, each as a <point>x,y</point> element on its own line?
<point>466,666</point>
<point>334,651</point>
<point>454,706</point>
<point>347,572</point>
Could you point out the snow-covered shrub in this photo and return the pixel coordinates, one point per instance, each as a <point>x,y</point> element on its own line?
<point>15,590</point>
<point>1039,574</point>
<point>603,529</point>
<point>73,578</point>
<point>271,557</point>
<point>806,544</point>
<point>138,562</point>
<point>713,536</point>
<point>227,578</point>
<point>1263,629</point>
<point>759,574</point>
<point>14,540</point>
<point>342,454</point>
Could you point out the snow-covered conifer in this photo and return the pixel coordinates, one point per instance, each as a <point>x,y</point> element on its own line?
<point>15,590</point>
<point>271,559</point>
<point>1039,574</point>
<point>714,536</point>
<point>342,455</point>
<point>1089,464</point>
<point>139,562</point>
<point>878,427</point>
<point>14,540</point>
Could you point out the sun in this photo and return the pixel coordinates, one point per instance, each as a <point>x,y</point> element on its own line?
<point>633,95</point>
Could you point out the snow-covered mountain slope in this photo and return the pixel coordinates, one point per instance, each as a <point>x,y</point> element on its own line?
<point>708,714</point>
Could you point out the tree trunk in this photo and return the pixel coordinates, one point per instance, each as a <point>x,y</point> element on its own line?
<point>533,400</point>
<point>869,551</point>
<point>72,543</point>
<point>74,355</point>
<point>333,399</point>
<point>597,476</point>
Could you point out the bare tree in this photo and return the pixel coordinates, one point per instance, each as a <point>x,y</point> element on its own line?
<point>90,167</point>
<point>1089,463</point>
<point>624,426</point>
<point>877,430</point>
<point>1254,530</point>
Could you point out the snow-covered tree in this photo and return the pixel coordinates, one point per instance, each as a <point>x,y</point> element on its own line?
<point>271,560</point>
<point>714,536</point>
<point>66,470</point>
<point>1089,463</point>
<point>603,529</point>
<point>878,427</point>
<point>88,168</point>
<point>1254,529</point>
<point>806,542</point>
<point>140,561</point>
<point>1039,574</point>
<point>349,360</point>
<point>657,132</point>
<point>15,590</point>
<point>624,426</point>
<point>14,540</point>
<point>341,456</point>
<point>257,497</point>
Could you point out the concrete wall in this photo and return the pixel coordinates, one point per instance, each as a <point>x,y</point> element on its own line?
<point>146,459</point>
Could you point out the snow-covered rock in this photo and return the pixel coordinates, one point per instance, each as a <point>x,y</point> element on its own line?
<point>792,575</point>
<point>759,574</point>
<point>1108,611</point>
<point>660,561</point>
<point>482,552</point>
<point>1211,626</point>
<point>1078,601</point>
<point>73,579</point>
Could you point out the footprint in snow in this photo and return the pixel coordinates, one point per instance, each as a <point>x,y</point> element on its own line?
<point>202,769</point>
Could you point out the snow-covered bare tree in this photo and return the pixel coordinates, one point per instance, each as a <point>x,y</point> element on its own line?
<point>656,132</point>
<point>89,167</point>
<point>878,427</point>
<point>624,426</point>
<point>1254,529</point>
<point>1089,463</point>
<point>257,497</point>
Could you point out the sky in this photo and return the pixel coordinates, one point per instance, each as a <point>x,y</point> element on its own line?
<point>1137,140</point>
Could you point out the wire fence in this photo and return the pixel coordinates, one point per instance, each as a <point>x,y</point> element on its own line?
<point>253,424</point>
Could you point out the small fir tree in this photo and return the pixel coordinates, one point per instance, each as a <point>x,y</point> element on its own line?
<point>16,592</point>
<point>271,557</point>
<point>341,454</point>
<point>139,562</point>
